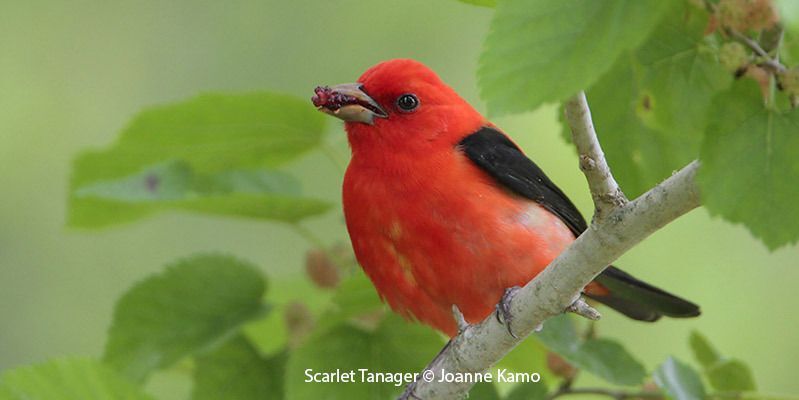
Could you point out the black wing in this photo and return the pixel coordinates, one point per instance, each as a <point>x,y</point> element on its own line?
<point>492,151</point>
<point>497,155</point>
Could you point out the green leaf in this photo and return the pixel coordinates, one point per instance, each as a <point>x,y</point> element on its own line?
<point>176,180</point>
<point>789,51</point>
<point>704,352</point>
<point>560,335</point>
<point>529,355</point>
<point>604,358</point>
<point>484,391</point>
<point>788,11</point>
<point>483,3</point>
<point>269,335</point>
<point>749,165</point>
<point>216,138</point>
<point>235,371</point>
<point>67,379</point>
<point>396,346</point>
<point>528,391</point>
<point>651,108</point>
<point>212,133</point>
<point>726,375</point>
<point>542,51</point>
<point>760,396</point>
<point>609,360</point>
<point>276,208</point>
<point>679,380</point>
<point>679,75</point>
<point>355,296</point>
<point>731,376</point>
<point>174,185</point>
<point>194,304</point>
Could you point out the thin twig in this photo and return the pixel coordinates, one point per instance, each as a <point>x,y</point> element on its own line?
<point>768,62</point>
<point>459,318</point>
<point>605,191</point>
<point>583,309</point>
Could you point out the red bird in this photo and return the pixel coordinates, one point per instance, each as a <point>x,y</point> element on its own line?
<point>443,209</point>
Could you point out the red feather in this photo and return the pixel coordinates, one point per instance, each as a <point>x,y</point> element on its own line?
<point>429,227</point>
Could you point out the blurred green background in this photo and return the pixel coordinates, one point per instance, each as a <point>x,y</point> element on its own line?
<point>73,73</point>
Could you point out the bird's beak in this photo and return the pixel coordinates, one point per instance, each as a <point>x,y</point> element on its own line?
<point>348,102</point>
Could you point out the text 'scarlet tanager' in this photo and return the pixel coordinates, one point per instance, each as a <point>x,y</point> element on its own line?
<point>444,209</point>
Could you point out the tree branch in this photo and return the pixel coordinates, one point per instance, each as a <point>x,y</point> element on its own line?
<point>768,62</point>
<point>604,190</point>
<point>480,346</point>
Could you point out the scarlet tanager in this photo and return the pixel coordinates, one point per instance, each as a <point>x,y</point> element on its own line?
<point>444,209</point>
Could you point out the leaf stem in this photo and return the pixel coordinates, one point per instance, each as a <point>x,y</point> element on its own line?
<point>309,236</point>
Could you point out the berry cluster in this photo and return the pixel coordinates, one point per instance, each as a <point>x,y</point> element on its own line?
<point>326,97</point>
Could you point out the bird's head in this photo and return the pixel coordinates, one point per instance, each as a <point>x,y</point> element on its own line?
<point>399,102</point>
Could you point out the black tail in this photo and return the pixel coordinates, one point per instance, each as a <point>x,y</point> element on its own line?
<point>640,300</point>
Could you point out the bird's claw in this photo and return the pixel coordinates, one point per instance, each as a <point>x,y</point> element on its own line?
<point>503,309</point>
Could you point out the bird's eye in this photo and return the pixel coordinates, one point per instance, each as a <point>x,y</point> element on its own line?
<point>408,102</point>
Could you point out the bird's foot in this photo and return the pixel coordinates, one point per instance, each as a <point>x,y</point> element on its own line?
<point>459,319</point>
<point>583,309</point>
<point>503,309</point>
